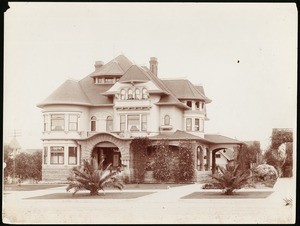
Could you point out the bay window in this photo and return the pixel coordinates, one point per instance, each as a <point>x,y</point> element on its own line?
<point>57,155</point>
<point>57,122</point>
<point>72,156</point>
<point>73,122</point>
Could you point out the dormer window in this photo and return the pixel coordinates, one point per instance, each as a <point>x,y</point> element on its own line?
<point>123,94</point>
<point>197,105</point>
<point>130,94</point>
<point>137,94</point>
<point>144,94</point>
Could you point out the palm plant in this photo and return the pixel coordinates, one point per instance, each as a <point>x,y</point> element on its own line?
<point>230,178</point>
<point>90,176</point>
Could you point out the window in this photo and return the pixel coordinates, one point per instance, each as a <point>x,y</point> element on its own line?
<point>109,80</point>
<point>57,155</point>
<point>189,103</point>
<point>202,105</point>
<point>98,80</point>
<point>133,122</point>
<point>144,122</point>
<point>137,94</point>
<point>197,124</point>
<point>130,94</point>
<point>144,94</point>
<point>123,94</point>
<point>188,124</point>
<point>58,122</point>
<point>167,120</point>
<point>93,123</point>
<point>72,156</point>
<point>46,122</point>
<point>45,155</point>
<point>122,122</point>
<point>218,156</point>
<point>109,123</point>
<point>73,122</point>
<point>197,105</point>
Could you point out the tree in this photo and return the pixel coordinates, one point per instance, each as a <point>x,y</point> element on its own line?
<point>90,176</point>
<point>232,178</point>
<point>185,169</point>
<point>247,154</point>
<point>8,170</point>
<point>162,162</point>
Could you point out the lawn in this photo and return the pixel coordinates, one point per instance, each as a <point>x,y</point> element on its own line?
<point>86,195</point>
<point>150,186</point>
<point>30,187</point>
<point>237,195</point>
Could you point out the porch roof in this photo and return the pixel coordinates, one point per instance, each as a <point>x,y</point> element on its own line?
<point>220,139</point>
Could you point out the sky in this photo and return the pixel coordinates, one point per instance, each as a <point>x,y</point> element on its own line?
<point>244,54</point>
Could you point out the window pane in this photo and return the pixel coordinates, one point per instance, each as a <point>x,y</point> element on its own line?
<point>188,124</point>
<point>133,122</point>
<point>72,155</point>
<point>57,122</point>
<point>196,124</point>
<point>56,155</point>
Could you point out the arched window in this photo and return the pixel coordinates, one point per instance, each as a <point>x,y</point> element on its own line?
<point>145,94</point>
<point>93,123</point>
<point>167,120</point>
<point>130,94</point>
<point>137,94</point>
<point>109,123</point>
<point>123,94</point>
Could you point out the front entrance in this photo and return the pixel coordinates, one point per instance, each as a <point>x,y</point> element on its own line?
<point>109,152</point>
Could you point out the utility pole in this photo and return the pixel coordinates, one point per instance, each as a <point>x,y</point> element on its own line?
<point>15,146</point>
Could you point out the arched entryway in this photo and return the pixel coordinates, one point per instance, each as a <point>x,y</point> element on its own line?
<point>110,154</point>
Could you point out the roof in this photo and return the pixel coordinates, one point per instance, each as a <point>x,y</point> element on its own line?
<point>228,153</point>
<point>177,135</point>
<point>70,92</point>
<point>116,66</point>
<point>220,139</point>
<point>112,68</point>
<point>184,89</point>
<point>134,74</point>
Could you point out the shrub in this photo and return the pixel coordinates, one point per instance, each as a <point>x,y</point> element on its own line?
<point>231,179</point>
<point>162,163</point>
<point>90,177</point>
<point>266,174</point>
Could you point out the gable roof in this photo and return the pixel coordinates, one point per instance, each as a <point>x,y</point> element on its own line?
<point>134,74</point>
<point>184,89</point>
<point>70,92</point>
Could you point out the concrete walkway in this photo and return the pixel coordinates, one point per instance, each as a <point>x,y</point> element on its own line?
<point>162,207</point>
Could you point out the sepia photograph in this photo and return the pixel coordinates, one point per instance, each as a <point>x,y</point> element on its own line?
<point>149,113</point>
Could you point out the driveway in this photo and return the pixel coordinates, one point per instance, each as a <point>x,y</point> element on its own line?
<point>164,206</point>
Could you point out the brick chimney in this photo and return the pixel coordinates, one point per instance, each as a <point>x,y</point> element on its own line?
<point>153,65</point>
<point>98,64</point>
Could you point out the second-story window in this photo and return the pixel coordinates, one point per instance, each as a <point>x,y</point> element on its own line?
<point>197,124</point>
<point>73,122</point>
<point>133,122</point>
<point>57,122</point>
<point>122,122</point>
<point>167,120</point>
<point>188,124</point>
<point>109,123</point>
<point>123,94</point>
<point>130,94</point>
<point>93,123</point>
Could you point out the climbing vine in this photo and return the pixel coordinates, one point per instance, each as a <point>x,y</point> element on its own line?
<point>138,147</point>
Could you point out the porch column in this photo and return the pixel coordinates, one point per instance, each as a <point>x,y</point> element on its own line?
<point>213,162</point>
<point>207,160</point>
<point>201,159</point>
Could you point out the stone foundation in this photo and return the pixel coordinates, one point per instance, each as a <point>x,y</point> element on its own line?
<point>56,173</point>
